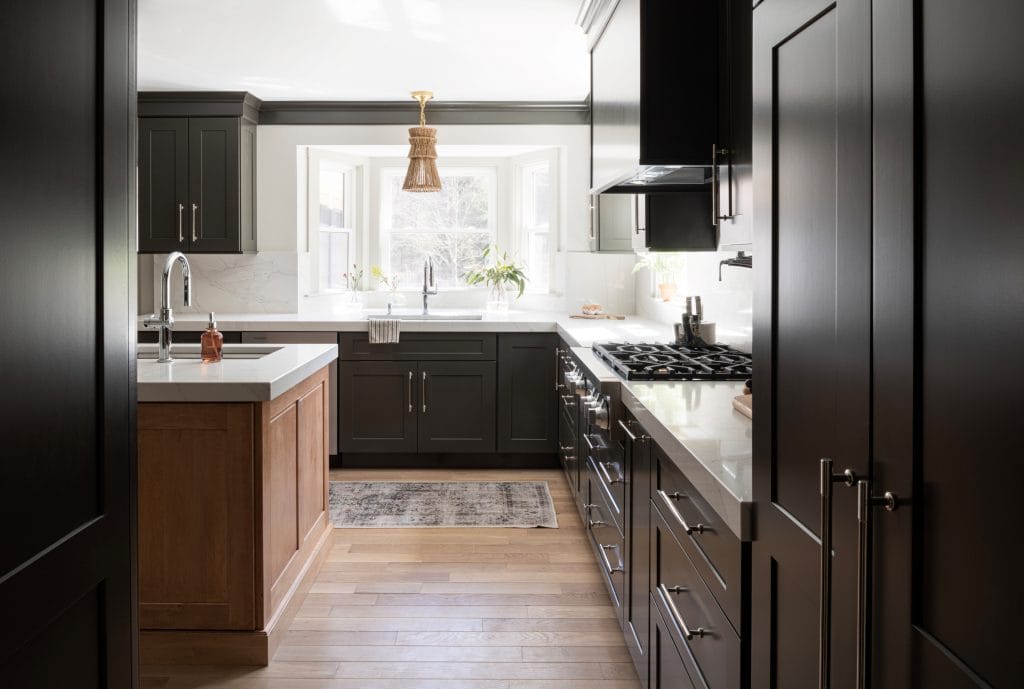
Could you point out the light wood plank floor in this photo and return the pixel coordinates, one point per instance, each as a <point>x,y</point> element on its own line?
<point>445,608</point>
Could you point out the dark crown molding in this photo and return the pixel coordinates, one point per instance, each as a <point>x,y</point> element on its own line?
<point>243,104</point>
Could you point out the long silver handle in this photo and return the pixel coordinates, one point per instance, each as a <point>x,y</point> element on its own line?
<point>195,237</point>
<point>670,504</point>
<point>865,502</point>
<point>714,185</point>
<point>688,634</point>
<point>423,391</point>
<point>625,429</point>
<point>588,441</point>
<point>558,359</point>
<point>607,563</point>
<point>181,230</point>
<point>409,392</point>
<point>603,468</point>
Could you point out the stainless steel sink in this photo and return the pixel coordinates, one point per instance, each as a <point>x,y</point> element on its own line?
<point>428,317</point>
<point>191,352</point>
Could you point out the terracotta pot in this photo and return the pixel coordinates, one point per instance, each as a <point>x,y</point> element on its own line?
<point>666,290</point>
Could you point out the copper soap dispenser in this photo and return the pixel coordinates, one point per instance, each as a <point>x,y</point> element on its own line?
<point>211,344</point>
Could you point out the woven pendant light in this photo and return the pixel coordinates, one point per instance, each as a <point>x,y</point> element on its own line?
<point>422,174</point>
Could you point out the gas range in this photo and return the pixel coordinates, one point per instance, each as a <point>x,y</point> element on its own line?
<point>637,361</point>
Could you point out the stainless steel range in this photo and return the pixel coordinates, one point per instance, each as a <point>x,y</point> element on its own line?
<point>674,362</point>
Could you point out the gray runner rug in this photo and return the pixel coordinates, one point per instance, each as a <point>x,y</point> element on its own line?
<point>394,504</point>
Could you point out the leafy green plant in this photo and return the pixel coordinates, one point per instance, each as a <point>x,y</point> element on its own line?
<point>660,264</point>
<point>498,272</point>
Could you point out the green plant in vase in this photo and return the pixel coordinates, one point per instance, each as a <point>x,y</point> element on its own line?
<point>501,274</point>
<point>663,267</point>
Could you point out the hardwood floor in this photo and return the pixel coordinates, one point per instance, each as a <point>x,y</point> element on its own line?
<point>445,609</point>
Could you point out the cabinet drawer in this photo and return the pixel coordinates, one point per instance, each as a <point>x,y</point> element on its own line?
<point>421,346</point>
<point>695,620</point>
<point>606,504</point>
<point>667,670</point>
<point>609,468</point>
<point>609,545</point>
<point>715,550</point>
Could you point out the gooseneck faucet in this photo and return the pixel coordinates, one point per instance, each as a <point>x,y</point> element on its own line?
<point>429,285</point>
<point>165,323</point>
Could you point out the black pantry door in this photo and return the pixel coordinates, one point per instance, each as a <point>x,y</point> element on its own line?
<point>812,216</point>
<point>67,144</point>
<point>948,338</point>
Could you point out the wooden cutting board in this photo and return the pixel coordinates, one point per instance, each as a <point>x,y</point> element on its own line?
<point>597,316</point>
<point>744,405</point>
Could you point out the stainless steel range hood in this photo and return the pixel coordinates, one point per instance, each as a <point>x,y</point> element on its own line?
<point>659,178</point>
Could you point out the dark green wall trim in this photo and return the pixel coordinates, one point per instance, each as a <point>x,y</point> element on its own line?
<point>246,105</point>
<point>199,104</point>
<point>402,112</point>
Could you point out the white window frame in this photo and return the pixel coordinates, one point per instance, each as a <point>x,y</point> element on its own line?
<point>353,172</point>
<point>520,234</point>
<point>381,168</point>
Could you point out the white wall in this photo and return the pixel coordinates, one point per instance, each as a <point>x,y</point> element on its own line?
<point>728,303</point>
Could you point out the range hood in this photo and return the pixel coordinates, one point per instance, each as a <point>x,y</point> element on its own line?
<point>659,178</point>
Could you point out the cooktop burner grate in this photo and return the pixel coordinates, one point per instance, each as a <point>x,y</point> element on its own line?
<point>675,362</point>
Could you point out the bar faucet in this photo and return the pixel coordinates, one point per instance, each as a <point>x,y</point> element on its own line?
<point>165,324</point>
<point>429,285</point>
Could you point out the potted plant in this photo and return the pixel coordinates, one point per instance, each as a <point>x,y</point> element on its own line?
<point>663,267</point>
<point>501,274</point>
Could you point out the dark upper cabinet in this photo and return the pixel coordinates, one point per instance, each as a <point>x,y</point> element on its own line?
<point>527,411</point>
<point>457,406</point>
<point>196,175</point>
<point>378,403</point>
<point>163,184</point>
<point>671,111</point>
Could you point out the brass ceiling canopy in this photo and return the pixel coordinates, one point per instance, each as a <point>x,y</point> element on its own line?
<point>422,174</point>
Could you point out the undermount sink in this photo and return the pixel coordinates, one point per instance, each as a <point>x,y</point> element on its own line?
<point>191,352</point>
<point>463,316</point>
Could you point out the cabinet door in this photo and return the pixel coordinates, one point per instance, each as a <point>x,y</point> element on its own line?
<point>163,184</point>
<point>812,151</point>
<point>527,402</point>
<point>377,403</point>
<point>457,409</point>
<point>637,461</point>
<point>214,190</point>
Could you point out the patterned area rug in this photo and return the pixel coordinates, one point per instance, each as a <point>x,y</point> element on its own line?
<point>392,504</point>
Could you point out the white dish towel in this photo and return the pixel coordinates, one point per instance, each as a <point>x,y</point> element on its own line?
<point>384,330</point>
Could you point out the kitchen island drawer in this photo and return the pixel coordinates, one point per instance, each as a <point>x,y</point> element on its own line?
<point>695,620</point>
<point>420,347</point>
<point>713,548</point>
<point>607,541</point>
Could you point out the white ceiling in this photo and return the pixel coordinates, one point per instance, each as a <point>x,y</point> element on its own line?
<point>365,49</point>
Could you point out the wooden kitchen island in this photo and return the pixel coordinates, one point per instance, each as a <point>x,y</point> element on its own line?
<point>233,500</point>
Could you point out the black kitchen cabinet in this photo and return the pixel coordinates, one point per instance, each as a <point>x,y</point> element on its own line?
<point>378,402</point>
<point>527,412</point>
<point>457,406</point>
<point>196,177</point>
<point>636,453</point>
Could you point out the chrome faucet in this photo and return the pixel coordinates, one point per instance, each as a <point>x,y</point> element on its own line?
<point>429,285</point>
<point>165,324</point>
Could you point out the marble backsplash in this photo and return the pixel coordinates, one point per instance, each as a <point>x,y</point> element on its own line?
<point>266,282</point>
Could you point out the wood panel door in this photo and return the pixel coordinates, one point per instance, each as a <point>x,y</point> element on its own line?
<point>214,191</point>
<point>377,406</point>
<point>196,493</point>
<point>812,213</point>
<point>457,406</point>
<point>946,600</point>
<point>163,184</point>
<point>67,133</point>
<point>527,411</point>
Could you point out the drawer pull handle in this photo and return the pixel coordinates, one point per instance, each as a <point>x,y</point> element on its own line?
<point>603,466</point>
<point>590,443</point>
<point>688,634</point>
<point>633,438</point>
<point>669,501</point>
<point>591,523</point>
<point>607,563</point>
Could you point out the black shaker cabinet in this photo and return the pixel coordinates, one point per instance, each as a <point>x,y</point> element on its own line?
<point>527,416</point>
<point>457,406</point>
<point>378,402</point>
<point>196,178</point>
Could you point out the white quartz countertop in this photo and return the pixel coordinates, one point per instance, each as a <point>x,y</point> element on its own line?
<point>233,379</point>
<point>696,425</point>
<point>577,332</point>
